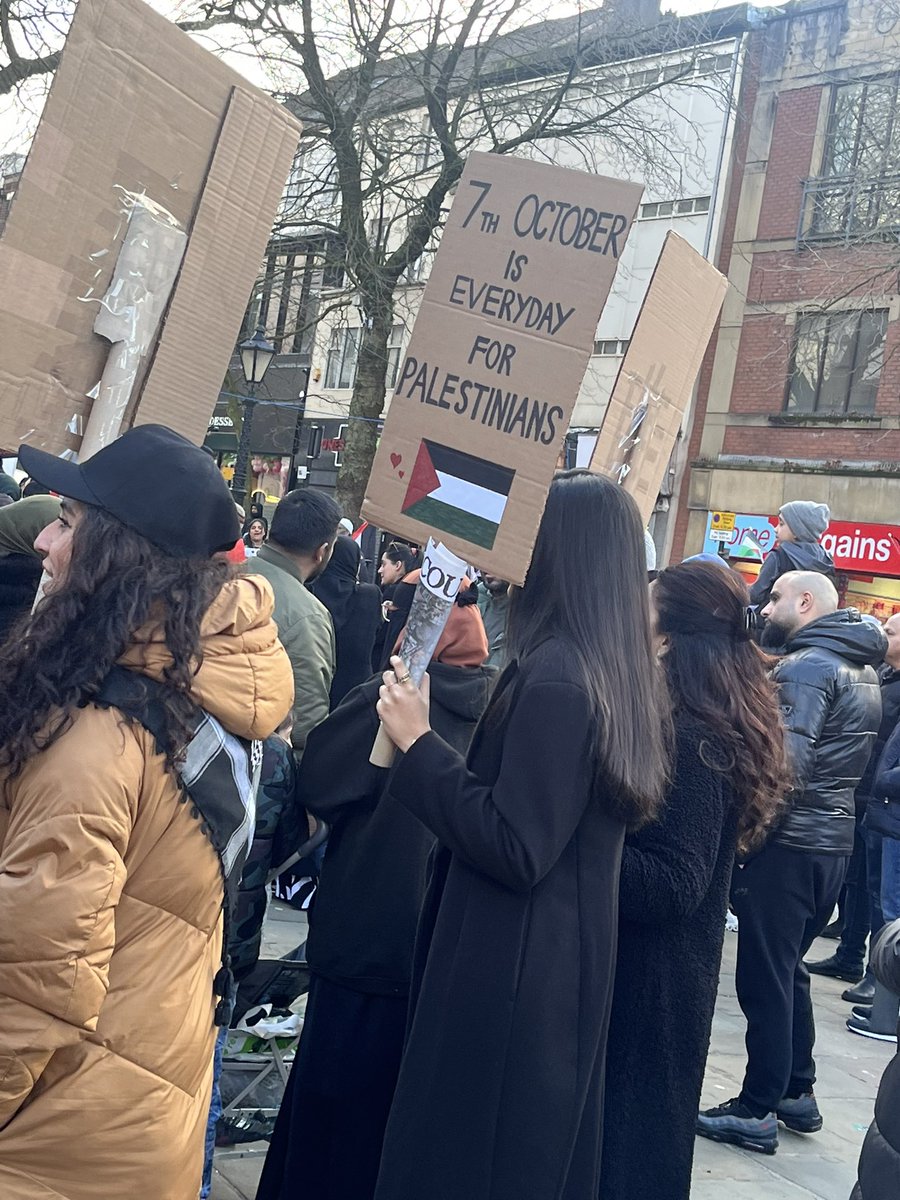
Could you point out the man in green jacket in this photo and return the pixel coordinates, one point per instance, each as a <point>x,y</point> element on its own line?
<point>301,538</point>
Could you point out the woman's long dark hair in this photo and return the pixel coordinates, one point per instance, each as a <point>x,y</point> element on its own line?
<point>587,586</point>
<point>58,658</point>
<point>719,675</point>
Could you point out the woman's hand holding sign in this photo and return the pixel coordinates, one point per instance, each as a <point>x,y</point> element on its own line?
<point>402,707</point>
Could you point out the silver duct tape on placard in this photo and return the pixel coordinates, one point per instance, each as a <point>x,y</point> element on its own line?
<point>130,312</point>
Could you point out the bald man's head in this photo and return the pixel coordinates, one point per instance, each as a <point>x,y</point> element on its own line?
<point>892,629</point>
<point>799,598</point>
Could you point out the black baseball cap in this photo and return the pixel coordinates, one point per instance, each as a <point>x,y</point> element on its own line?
<point>154,481</point>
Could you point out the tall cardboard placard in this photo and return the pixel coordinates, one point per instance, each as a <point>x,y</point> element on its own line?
<point>657,376</point>
<point>496,358</point>
<point>135,107</point>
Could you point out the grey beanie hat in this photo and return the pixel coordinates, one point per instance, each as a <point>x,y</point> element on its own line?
<point>807,520</point>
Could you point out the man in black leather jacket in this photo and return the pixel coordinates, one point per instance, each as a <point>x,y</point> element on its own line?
<point>861,911</point>
<point>784,896</point>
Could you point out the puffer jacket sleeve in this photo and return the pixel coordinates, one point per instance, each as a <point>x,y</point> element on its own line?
<point>62,871</point>
<point>805,692</point>
<point>886,957</point>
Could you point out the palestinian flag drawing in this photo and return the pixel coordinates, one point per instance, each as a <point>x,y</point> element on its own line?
<point>458,493</point>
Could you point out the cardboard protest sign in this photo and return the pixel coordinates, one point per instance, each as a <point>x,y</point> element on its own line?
<point>497,356</point>
<point>136,107</point>
<point>655,381</point>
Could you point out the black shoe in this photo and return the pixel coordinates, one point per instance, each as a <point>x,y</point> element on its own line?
<point>862,1010</point>
<point>835,970</point>
<point>733,1122</point>
<point>862,993</point>
<point>800,1114</point>
<point>863,1026</point>
<point>834,930</point>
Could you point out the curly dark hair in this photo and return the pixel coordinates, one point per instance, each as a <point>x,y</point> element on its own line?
<point>58,657</point>
<point>720,676</point>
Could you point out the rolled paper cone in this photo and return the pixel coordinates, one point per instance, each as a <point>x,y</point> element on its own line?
<point>440,580</point>
<point>383,750</point>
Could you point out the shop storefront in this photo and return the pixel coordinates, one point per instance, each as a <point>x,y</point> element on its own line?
<point>866,557</point>
<point>272,441</point>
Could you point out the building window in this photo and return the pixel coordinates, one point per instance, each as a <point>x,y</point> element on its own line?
<point>836,362</point>
<point>429,150</point>
<point>395,345</point>
<point>644,79</point>
<point>343,350</point>
<point>675,208</point>
<point>610,347</point>
<point>711,64</point>
<point>343,355</point>
<point>858,189</point>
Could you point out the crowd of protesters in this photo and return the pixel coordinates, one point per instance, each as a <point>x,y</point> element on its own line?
<point>516,937</point>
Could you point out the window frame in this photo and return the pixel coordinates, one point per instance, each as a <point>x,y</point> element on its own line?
<point>853,375</point>
<point>341,340</point>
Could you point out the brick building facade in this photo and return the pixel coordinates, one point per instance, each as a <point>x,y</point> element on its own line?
<point>799,396</point>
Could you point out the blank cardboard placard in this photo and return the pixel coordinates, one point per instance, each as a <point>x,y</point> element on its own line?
<point>657,376</point>
<point>137,105</point>
<point>496,358</point>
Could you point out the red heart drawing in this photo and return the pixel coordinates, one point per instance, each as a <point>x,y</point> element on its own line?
<point>401,473</point>
<point>396,460</point>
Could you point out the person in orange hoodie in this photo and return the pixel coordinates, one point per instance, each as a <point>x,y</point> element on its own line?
<point>112,974</point>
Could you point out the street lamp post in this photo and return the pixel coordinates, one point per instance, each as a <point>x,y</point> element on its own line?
<point>256,356</point>
<point>298,430</point>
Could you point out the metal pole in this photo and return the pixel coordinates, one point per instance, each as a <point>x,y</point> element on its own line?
<point>298,433</point>
<point>239,482</point>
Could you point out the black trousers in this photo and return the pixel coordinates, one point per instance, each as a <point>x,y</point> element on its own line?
<point>856,909</point>
<point>783,900</point>
<point>330,1127</point>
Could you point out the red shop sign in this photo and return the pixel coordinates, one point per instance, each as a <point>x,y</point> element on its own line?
<point>854,545</point>
<point>862,547</point>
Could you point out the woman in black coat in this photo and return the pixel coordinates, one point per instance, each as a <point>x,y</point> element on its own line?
<point>355,613</point>
<point>673,893</point>
<point>327,1140</point>
<point>500,1095</point>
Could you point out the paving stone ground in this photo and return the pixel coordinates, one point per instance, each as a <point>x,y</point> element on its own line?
<point>818,1167</point>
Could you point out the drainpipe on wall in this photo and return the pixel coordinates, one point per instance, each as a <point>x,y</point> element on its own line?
<point>662,523</point>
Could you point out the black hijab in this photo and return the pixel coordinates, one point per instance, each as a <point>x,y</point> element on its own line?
<point>337,583</point>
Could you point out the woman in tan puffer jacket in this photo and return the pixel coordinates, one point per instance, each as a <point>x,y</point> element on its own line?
<point>110,892</point>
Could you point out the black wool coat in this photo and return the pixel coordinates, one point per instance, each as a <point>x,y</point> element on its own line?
<point>673,898</point>
<point>354,642</point>
<point>375,869</point>
<point>500,1095</point>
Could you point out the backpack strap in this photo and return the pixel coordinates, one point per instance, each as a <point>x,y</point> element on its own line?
<point>226,811</point>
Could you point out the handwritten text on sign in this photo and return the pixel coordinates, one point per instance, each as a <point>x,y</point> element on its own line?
<point>497,356</point>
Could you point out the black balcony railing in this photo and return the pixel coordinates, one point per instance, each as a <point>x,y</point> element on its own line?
<point>850,209</point>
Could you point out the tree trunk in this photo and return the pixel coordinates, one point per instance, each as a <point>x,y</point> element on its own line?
<point>366,407</point>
